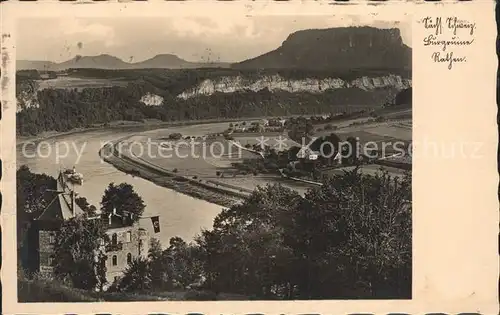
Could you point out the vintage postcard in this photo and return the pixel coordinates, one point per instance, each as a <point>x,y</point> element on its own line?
<point>249,157</point>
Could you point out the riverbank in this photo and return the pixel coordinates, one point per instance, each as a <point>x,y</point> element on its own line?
<point>300,179</point>
<point>205,190</point>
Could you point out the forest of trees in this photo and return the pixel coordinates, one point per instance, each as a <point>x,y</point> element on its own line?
<point>350,238</point>
<point>62,110</point>
<point>65,109</point>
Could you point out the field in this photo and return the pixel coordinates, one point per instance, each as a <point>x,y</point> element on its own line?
<point>201,159</point>
<point>78,83</point>
<point>277,140</point>
<point>370,169</point>
<point>389,137</point>
<point>209,161</point>
<point>400,131</point>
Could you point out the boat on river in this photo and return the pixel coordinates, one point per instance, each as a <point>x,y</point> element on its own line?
<point>73,176</point>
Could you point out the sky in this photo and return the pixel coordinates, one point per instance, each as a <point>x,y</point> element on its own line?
<point>193,39</point>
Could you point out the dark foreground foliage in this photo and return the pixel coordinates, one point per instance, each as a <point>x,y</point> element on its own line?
<point>348,239</point>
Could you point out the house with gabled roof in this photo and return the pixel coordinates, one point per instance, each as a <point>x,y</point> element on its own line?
<point>124,239</point>
<point>61,208</point>
<point>308,154</point>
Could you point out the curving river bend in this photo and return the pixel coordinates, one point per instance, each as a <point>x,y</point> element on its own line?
<point>180,215</point>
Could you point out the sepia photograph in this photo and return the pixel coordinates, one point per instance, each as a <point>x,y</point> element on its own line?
<point>261,158</point>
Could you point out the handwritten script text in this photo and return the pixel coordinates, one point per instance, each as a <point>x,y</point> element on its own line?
<point>447,34</point>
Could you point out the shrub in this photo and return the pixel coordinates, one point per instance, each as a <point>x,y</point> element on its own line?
<point>175,136</point>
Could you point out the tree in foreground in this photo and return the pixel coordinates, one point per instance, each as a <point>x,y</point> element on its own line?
<point>245,253</point>
<point>90,210</point>
<point>351,238</point>
<point>124,199</point>
<point>184,265</point>
<point>158,266</point>
<point>137,276</point>
<point>76,249</point>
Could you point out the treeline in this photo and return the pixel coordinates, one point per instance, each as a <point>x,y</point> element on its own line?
<point>22,75</point>
<point>65,109</point>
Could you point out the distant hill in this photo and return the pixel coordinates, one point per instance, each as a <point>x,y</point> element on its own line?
<point>337,49</point>
<point>99,62</point>
<point>35,65</point>
<point>160,61</point>
<point>108,62</point>
<point>174,62</point>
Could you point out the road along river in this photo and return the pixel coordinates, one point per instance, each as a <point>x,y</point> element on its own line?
<point>180,215</point>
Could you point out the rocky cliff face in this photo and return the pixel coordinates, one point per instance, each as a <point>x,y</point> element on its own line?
<point>151,100</point>
<point>277,83</point>
<point>26,94</point>
<point>25,100</point>
<point>336,49</point>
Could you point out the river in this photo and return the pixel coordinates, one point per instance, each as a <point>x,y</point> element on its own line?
<point>180,215</point>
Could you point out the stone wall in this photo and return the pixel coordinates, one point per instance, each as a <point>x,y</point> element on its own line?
<point>137,244</point>
<point>46,251</point>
